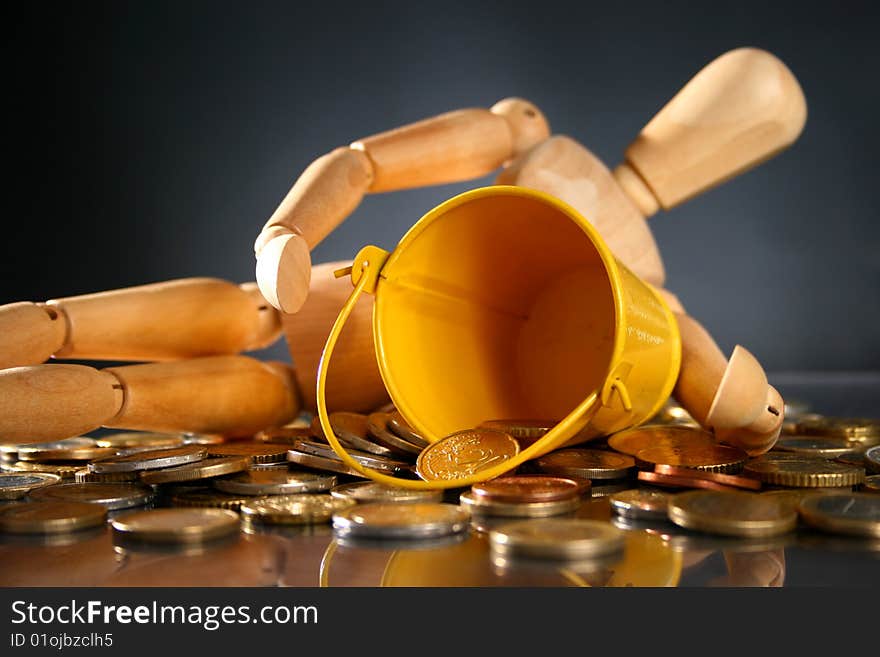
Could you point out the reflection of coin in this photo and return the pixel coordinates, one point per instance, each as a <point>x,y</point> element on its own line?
<point>256,452</point>
<point>481,505</point>
<point>81,448</point>
<point>294,509</point>
<point>632,441</point>
<point>351,431</point>
<point>640,504</point>
<point>403,429</point>
<point>525,488</point>
<point>586,464</point>
<point>160,458</point>
<point>826,447</point>
<point>205,469</point>
<point>525,431</point>
<point>110,496</point>
<point>377,426</point>
<point>419,520</point>
<point>555,538</point>
<point>845,513</point>
<point>731,513</point>
<point>715,458</point>
<point>138,439</point>
<point>176,525</point>
<point>371,491</point>
<point>465,453</point>
<point>50,517</point>
<point>276,482</point>
<point>805,472</point>
<point>14,485</point>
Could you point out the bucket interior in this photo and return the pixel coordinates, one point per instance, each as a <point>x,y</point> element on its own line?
<point>498,307</point>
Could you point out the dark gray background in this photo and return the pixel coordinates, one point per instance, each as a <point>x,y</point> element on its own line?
<point>151,141</point>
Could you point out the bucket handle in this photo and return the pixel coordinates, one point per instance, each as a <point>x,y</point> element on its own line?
<point>365,276</point>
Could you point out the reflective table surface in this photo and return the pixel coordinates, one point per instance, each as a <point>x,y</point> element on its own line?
<point>655,554</point>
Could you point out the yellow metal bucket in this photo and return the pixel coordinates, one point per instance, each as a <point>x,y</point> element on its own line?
<point>504,302</point>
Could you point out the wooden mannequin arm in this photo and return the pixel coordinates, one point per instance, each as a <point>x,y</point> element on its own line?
<point>740,110</point>
<point>448,148</point>
<point>230,395</point>
<point>163,321</point>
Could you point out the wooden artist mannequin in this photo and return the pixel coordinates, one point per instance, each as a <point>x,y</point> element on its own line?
<point>738,111</point>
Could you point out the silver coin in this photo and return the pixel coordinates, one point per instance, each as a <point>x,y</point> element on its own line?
<point>640,504</point>
<point>159,458</point>
<point>555,538</point>
<point>378,426</point>
<point>86,476</point>
<point>321,463</point>
<point>14,485</point>
<point>79,448</point>
<point>418,520</point>
<point>872,460</point>
<point>110,496</point>
<point>372,491</point>
<point>351,431</point>
<point>826,447</point>
<point>275,482</point>
<point>480,505</point>
<point>364,459</point>
<point>401,427</point>
<point>845,513</point>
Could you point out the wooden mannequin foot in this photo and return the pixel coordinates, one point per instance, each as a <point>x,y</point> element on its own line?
<point>761,435</point>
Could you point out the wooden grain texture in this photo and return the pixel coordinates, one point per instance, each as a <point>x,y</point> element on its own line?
<point>738,111</point>
<point>29,333</point>
<point>229,395</point>
<point>563,168</point>
<point>702,368</point>
<point>184,318</point>
<point>353,381</point>
<point>48,402</point>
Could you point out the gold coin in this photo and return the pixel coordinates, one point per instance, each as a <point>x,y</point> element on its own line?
<point>806,472</point>
<point>205,469</point>
<point>63,470</point>
<point>823,446</point>
<point>403,429</point>
<point>139,439</point>
<point>81,448</point>
<point>857,514</point>
<point>86,476</point>
<point>176,525</point>
<point>15,485</point>
<point>479,505</point>
<point>791,497</point>
<point>525,431</point>
<point>465,453</point>
<point>256,452</point>
<point>206,497</point>
<point>556,538</point>
<point>714,458</point>
<point>586,464</point>
<point>731,513</point>
<point>865,431</point>
<point>50,517</point>
<point>294,509</point>
<point>632,441</point>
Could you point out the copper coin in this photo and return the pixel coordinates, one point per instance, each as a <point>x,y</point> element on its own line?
<point>586,464</point>
<point>524,489</point>
<point>718,477</point>
<point>716,458</point>
<point>671,481</point>
<point>632,441</point>
<point>257,452</point>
